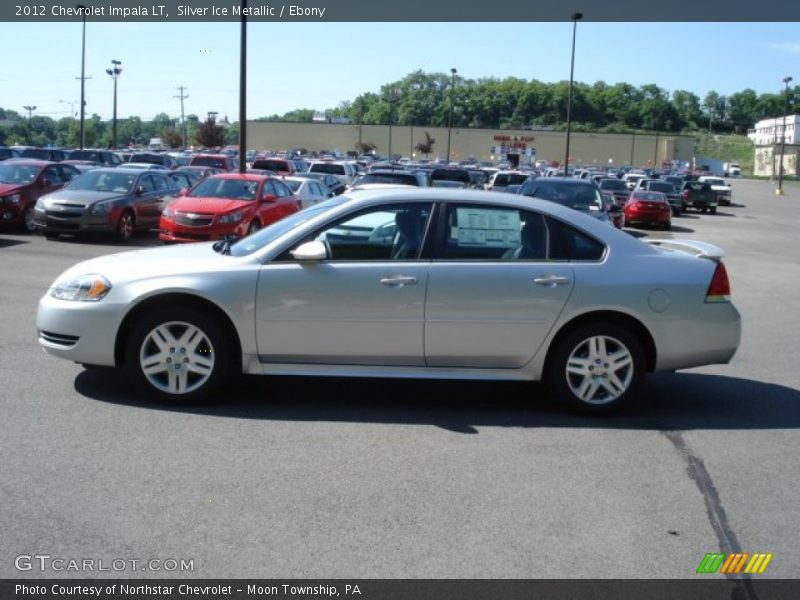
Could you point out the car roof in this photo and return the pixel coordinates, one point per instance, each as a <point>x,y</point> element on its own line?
<point>248,176</point>
<point>567,181</point>
<point>31,162</point>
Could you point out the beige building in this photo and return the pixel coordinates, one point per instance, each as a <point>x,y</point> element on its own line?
<point>483,144</point>
<point>767,160</point>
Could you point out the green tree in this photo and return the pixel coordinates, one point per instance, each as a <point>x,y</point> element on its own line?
<point>210,134</point>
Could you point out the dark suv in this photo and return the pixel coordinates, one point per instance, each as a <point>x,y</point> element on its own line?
<point>101,157</point>
<point>578,194</point>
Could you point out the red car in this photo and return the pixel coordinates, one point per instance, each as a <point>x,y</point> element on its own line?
<point>22,182</point>
<point>225,206</point>
<point>648,207</point>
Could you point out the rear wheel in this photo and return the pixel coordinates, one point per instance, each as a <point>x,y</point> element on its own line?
<point>713,210</point>
<point>254,226</point>
<point>125,226</point>
<point>178,356</point>
<point>705,209</point>
<point>596,368</point>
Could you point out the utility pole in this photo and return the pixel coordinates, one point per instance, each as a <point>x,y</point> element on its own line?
<point>30,110</point>
<point>786,81</point>
<point>114,73</point>
<point>83,77</point>
<point>182,97</point>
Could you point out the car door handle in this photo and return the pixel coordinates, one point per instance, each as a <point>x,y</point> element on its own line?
<point>551,280</point>
<point>398,280</point>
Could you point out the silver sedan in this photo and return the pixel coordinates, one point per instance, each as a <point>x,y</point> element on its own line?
<point>430,283</point>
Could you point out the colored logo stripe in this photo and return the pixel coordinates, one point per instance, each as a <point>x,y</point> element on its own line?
<point>733,563</point>
<point>710,562</point>
<point>758,563</point>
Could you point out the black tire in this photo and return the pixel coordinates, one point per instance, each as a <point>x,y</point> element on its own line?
<point>667,226</point>
<point>575,345</point>
<point>713,210</point>
<point>51,236</point>
<point>126,226</point>
<point>253,227</point>
<point>705,209</point>
<point>212,348</point>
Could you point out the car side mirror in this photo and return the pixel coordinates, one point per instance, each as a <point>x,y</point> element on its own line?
<point>183,191</point>
<point>45,182</point>
<point>268,198</point>
<point>139,190</point>
<point>310,251</point>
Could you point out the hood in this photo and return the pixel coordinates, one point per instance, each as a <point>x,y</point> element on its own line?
<point>215,206</point>
<point>10,188</point>
<point>183,259</point>
<point>79,197</point>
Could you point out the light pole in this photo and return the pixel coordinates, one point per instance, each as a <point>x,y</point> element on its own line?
<point>575,17</point>
<point>243,91</point>
<point>392,100</point>
<point>114,73</point>
<point>786,81</point>
<point>83,10</point>
<point>30,110</point>
<point>450,118</point>
<point>72,112</point>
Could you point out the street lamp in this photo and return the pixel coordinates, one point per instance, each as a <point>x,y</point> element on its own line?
<point>575,17</point>
<point>786,81</point>
<point>243,90</point>
<point>83,10</point>
<point>450,118</point>
<point>114,73</point>
<point>30,110</point>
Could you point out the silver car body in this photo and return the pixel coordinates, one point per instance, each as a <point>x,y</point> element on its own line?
<point>481,319</point>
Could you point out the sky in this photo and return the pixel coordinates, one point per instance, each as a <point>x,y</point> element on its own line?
<point>319,65</point>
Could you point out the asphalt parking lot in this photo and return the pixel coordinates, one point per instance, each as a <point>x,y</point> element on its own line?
<point>293,477</point>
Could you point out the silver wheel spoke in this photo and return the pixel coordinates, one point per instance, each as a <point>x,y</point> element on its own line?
<point>614,385</point>
<point>177,367</point>
<point>621,360</point>
<point>578,366</point>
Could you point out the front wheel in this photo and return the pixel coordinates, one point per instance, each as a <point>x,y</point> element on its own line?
<point>596,368</point>
<point>27,220</point>
<point>713,210</point>
<point>254,226</point>
<point>178,356</point>
<point>125,226</point>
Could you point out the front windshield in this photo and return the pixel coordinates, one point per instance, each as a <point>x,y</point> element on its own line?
<point>232,189</point>
<point>272,232</point>
<point>209,161</point>
<point>104,181</point>
<point>13,173</point>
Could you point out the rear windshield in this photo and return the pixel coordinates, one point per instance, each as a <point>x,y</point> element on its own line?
<point>510,178</point>
<point>153,159</point>
<point>332,168</point>
<point>391,178</point>
<point>650,196</point>
<point>279,166</point>
<point>450,175</point>
<point>613,184</point>
<point>92,155</point>
<point>208,161</point>
<point>579,197</point>
<point>658,186</point>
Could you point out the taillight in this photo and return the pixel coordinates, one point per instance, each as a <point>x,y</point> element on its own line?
<point>719,290</point>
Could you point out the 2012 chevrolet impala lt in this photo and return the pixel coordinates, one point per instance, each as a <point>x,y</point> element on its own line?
<point>431,283</point>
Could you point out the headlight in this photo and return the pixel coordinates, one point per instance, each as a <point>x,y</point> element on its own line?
<point>12,199</point>
<point>86,288</point>
<point>232,218</point>
<point>168,213</point>
<point>39,205</point>
<point>101,208</point>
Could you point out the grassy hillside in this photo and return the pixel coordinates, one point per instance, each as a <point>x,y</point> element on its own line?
<point>728,148</point>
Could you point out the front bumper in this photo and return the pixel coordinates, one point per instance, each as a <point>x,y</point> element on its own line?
<point>72,221</point>
<point>172,232</point>
<point>84,332</point>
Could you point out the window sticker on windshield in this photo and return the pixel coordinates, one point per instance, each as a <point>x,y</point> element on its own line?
<point>487,228</point>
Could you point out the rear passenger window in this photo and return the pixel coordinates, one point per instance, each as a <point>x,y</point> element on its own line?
<point>568,243</point>
<point>478,232</point>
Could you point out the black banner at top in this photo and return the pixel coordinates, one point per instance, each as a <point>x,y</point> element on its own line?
<point>405,11</point>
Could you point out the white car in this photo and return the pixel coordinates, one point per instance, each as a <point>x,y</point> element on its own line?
<point>344,171</point>
<point>309,191</point>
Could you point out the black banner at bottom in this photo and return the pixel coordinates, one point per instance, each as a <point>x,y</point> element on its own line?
<point>399,589</point>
